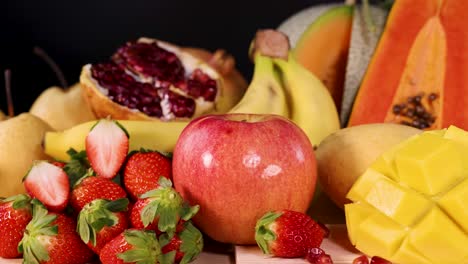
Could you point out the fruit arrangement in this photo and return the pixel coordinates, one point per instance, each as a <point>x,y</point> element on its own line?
<point>162,146</point>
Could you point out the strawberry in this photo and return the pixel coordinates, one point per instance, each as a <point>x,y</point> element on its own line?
<point>106,147</point>
<point>15,214</point>
<point>162,201</point>
<point>183,247</point>
<point>142,171</point>
<point>287,234</point>
<point>91,188</point>
<point>101,220</point>
<point>49,184</point>
<point>132,246</point>
<point>51,238</point>
<point>58,163</point>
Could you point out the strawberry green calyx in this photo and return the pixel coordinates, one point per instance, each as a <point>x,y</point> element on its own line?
<point>167,205</point>
<point>145,247</point>
<point>263,232</point>
<point>40,225</point>
<point>191,246</point>
<point>98,214</point>
<point>20,201</point>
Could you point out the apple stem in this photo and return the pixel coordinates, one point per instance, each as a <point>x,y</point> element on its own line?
<point>11,111</point>
<point>53,65</point>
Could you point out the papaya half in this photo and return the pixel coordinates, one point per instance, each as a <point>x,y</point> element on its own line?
<point>418,73</point>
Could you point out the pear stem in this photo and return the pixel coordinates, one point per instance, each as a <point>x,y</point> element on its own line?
<point>53,65</point>
<point>11,110</point>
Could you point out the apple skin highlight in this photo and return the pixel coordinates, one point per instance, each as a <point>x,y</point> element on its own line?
<point>239,166</point>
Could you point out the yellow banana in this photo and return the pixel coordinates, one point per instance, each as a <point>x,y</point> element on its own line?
<point>161,136</point>
<point>265,94</point>
<point>312,107</point>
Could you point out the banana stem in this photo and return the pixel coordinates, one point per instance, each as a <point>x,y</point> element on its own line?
<point>55,68</point>
<point>11,110</point>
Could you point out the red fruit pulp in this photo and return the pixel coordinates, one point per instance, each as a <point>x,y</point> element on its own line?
<point>361,260</point>
<point>141,75</point>
<point>379,260</point>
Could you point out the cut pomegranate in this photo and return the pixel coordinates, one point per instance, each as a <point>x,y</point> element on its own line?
<point>151,77</point>
<point>318,256</point>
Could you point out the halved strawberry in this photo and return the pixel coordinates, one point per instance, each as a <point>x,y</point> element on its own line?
<point>102,220</point>
<point>49,184</point>
<point>51,238</point>
<point>142,171</point>
<point>161,209</point>
<point>288,234</point>
<point>15,214</point>
<point>91,188</point>
<point>184,246</point>
<point>106,147</point>
<point>132,246</point>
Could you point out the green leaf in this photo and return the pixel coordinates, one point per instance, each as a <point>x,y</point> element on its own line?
<point>192,243</point>
<point>83,228</point>
<point>19,201</point>
<point>188,212</point>
<point>118,205</point>
<point>263,234</point>
<point>77,167</point>
<point>164,182</point>
<point>167,258</point>
<point>145,247</point>
<point>148,214</point>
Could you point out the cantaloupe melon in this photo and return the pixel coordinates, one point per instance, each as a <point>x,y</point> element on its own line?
<point>416,212</point>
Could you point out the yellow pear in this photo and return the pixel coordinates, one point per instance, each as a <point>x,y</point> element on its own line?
<point>62,108</point>
<point>20,143</point>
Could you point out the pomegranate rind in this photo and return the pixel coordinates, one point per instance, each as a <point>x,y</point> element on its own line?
<point>229,90</point>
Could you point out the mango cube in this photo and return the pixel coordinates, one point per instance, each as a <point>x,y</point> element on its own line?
<point>455,203</point>
<point>379,236</point>
<point>402,205</point>
<point>364,184</point>
<point>356,213</point>
<point>461,137</point>
<point>408,254</point>
<point>439,239</point>
<point>429,164</point>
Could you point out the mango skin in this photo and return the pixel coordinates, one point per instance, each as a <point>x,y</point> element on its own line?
<point>410,206</point>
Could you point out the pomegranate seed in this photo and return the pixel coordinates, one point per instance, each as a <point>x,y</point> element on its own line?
<point>318,256</point>
<point>379,260</point>
<point>361,260</point>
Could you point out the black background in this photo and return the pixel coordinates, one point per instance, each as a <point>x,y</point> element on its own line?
<point>76,33</point>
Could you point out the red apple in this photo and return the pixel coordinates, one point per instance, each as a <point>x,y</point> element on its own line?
<point>239,166</point>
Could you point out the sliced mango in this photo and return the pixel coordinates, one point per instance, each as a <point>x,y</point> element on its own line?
<point>402,205</point>
<point>379,236</point>
<point>363,184</point>
<point>455,203</point>
<point>408,254</point>
<point>460,136</point>
<point>411,205</point>
<point>439,239</point>
<point>429,164</point>
<point>356,213</point>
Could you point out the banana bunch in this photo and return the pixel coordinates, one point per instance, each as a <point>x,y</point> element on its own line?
<point>278,86</point>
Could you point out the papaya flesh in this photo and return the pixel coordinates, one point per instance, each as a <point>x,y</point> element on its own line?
<point>417,75</point>
<point>323,48</point>
<point>410,207</point>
